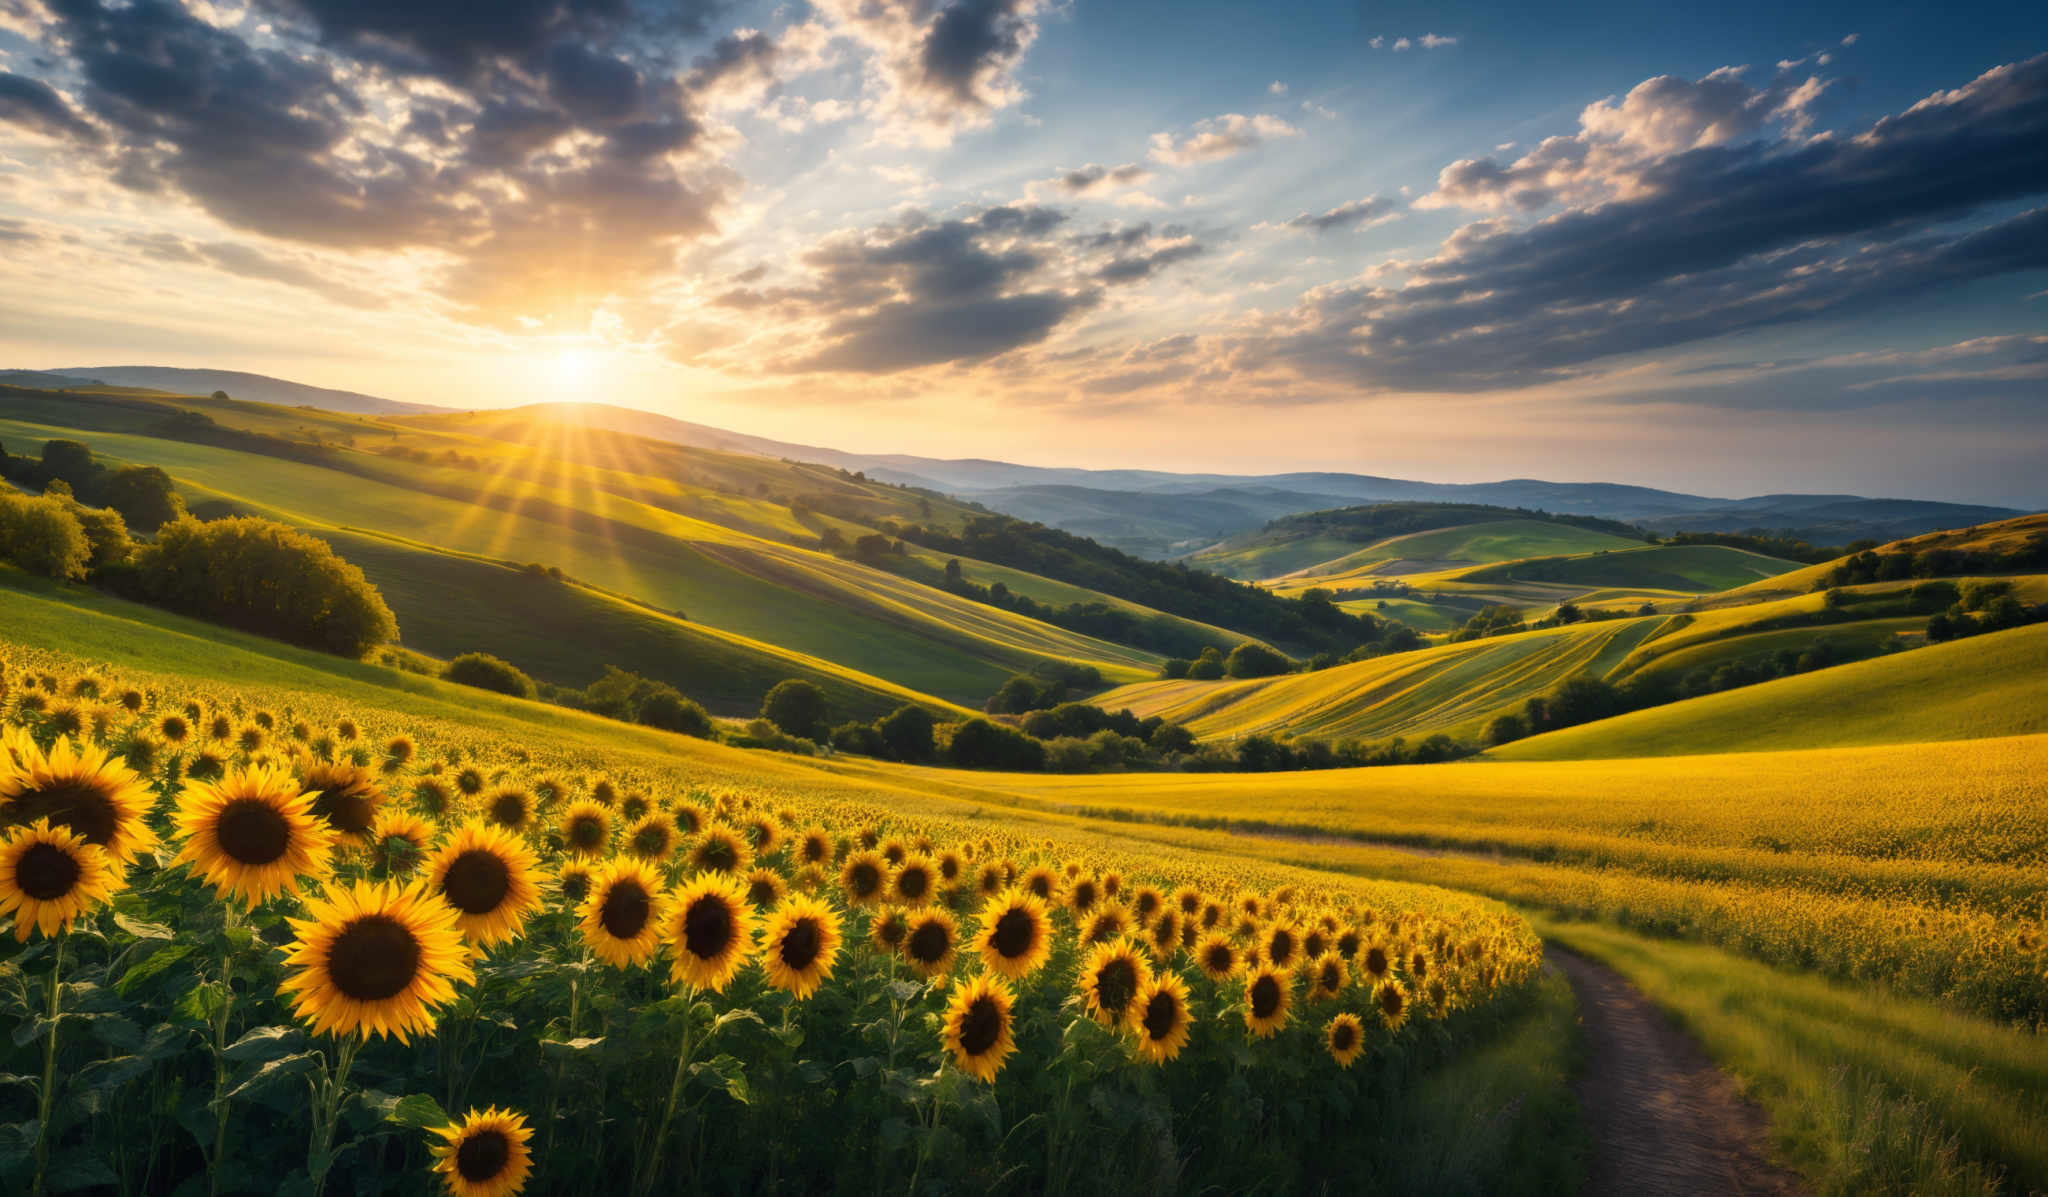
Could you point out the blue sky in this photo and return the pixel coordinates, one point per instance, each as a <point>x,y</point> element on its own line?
<point>1730,249</point>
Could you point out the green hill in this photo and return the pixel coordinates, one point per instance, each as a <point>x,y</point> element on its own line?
<point>1989,685</point>
<point>1698,568</point>
<point>1350,539</point>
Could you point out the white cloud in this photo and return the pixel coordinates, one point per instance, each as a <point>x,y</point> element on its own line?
<point>1219,137</point>
<point>1277,88</point>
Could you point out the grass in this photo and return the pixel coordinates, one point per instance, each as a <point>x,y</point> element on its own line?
<point>1694,567</point>
<point>1867,1091</point>
<point>1440,548</point>
<point>1985,686</point>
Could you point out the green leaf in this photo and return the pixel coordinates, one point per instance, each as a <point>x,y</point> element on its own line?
<point>69,1175</point>
<point>569,1047</point>
<point>263,1043</point>
<point>8,1078</point>
<point>731,1016</point>
<point>274,1071</point>
<point>904,991</point>
<point>418,1111</point>
<point>731,1073</point>
<point>140,929</point>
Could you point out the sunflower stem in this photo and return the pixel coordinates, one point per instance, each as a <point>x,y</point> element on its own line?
<point>49,1073</point>
<point>562,1065</point>
<point>220,1047</point>
<point>327,1114</point>
<point>668,1111</point>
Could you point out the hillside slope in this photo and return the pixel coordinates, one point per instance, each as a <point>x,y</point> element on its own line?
<point>1990,685</point>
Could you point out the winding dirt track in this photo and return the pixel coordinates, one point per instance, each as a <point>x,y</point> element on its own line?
<point>1664,1122</point>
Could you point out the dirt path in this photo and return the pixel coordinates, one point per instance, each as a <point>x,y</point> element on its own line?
<point>1663,1121</point>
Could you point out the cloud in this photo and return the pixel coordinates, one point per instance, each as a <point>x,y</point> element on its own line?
<point>1713,240</point>
<point>246,261</point>
<point>34,104</point>
<point>1219,137</point>
<point>1277,88</point>
<point>1353,214</point>
<point>1096,179</point>
<point>937,67</point>
<point>926,291</point>
<point>1431,41</point>
<point>1428,41</point>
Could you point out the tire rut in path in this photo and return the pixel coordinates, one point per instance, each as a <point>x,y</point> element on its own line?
<point>1662,1120</point>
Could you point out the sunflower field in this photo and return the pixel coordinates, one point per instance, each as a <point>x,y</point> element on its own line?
<point>263,942</point>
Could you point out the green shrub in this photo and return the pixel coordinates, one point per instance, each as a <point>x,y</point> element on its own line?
<point>980,744</point>
<point>487,672</point>
<point>42,536</point>
<point>799,708</point>
<point>906,734</point>
<point>1255,660</point>
<point>266,578</point>
<point>668,710</point>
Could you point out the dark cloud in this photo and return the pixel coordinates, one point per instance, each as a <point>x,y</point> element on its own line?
<point>248,262</point>
<point>1354,214</point>
<point>937,66</point>
<point>36,105</point>
<point>1720,239</point>
<point>460,39</point>
<point>972,40</point>
<point>1095,177</point>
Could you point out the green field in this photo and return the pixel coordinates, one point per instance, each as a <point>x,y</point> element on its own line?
<point>1695,567</point>
<point>1439,548</point>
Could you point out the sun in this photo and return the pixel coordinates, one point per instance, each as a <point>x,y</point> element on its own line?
<point>570,369</point>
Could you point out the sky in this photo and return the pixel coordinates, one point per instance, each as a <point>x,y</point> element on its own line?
<point>1732,249</point>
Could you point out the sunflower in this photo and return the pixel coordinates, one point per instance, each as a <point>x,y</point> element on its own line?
<point>720,849</point>
<point>586,828</point>
<point>950,864</point>
<point>766,888</point>
<point>914,881</point>
<point>375,958</point>
<point>1348,942</point>
<point>252,834</point>
<point>1280,946</point>
<point>894,851</point>
<point>764,833</point>
<point>710,931</point>
<point>1212,915</point>
<point>800,945</point>
<point>929,941</point>
<point>1041,883</point>
<point>635,805</point>
<point>470,781</point>
<point>652,838</point>
<point>346,796</point>
<point>509,807</point>
<point>690,817</point>
<point>575,878</point>
<point>1160,1017</point>
<point>815,846</point>
<point>174,729</point>
<point>989,880</point>
<point>1015,937</point>
<point>50,876</point>
<point>1216,956</point>
<point>978,1030</point>
<point>1266,997</point>
<point>431,798</point>
<point>1418,965</point>
<point>400,841</point>
<point>1326,977</point>
<point>82,789</point>
<point>1110,980</point>
<point>1110,921</point>
<point>485,1154</point>
<point>865,878</point>
<point>1314,942</point>
<point>1390,998</point>
<point>1083,895</point>
<point>1166,934</point>
<point>620,917</point>
<point>491,879</point>
<point>1345,1037</point>
<point>1147,902</point>
<point>1376,963</point>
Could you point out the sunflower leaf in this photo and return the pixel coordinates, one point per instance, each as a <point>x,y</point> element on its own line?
<point>263,1043</point>
<point>140,929</point>
<point>418,1111</point>
<point>272,1072</point>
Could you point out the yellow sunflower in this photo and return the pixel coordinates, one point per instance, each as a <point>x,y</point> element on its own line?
<point>1110,980</point>
<point>653,838</point>
<point>929,942</point>
<point>1041,883</point>
<point>620,917</point>
<point>1390,998</point>
<point>1109,921</point>
<point>800,946</point>
<point>491,879</point>
<point>1083,895</point>
<point>252,834</point>
<point>914,882</point>
<point>509,807</point>
<point>1160,1017</point>
<point>1376,962</point>
<point>50,876</point>
<point>865,878</point>
<point>587,828</point>
<point>575,878</point>
<point>345,795</point>
<point>400,841</point>
<point>888,930</point>
<point>1146,903</point>
<point>1280,945</point>
<point>375,958</point>
<point>710,931</point>
<point>1326,977</point>
<point>1015,937</point>
<point>1267,994</point>
<point>1345,1037</point>
<point>82,789</point>
<point>720,849</point>
<point>1217,957</point>
<point>1166,934</point>
<point>485,1155</point>
<point>814,847</point>
<point>978,1027</point>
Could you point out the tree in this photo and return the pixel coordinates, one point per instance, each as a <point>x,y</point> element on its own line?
<point>1172,737</point>
<point>486,672</point>
<point>1016,696</point>
<point>105,532</point>
<point>952,571</point>
<point>906,734</point>
<point>1175,667</point>
<point>799,708</point>
<point>666,708</point>
<point>265,578</point>
<point>1255,660</point>
<point>1208,667</point>
<point>1506,729</point>
<point>980,744</point>
<point>70,461</point>
<point>220,394</point>
<point>1568,612</point>
<point>42,536</point>
<point>144,495</point>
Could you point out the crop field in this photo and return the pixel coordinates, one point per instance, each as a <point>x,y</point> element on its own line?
<point>1693,567</point>
<point>640,961</point>
<point>1314,564</point>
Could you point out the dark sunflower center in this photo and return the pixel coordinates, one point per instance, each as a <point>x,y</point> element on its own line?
<point>866,879</point>
<point>477,882</point>
<point>1084,897</point>
<point>1219,959</point>
<point>1161,1014</point>
<point>1265,997</point>
<point>1041,886</point>
<point>1147,903</point>
<point>1016,933</point>
<point>46,872</point>
<point>719,854</point>
<point>575,886</point>
<point>587,831</point>
<point>930,943</point>
<point>80,809</point>
<point>348,810</point>
<point>707,928</point>
<point>1332,977</point>
<point>1375,962</point>
<point>1419,966</point>
<point>814,850</point>
<point>1342,1036</point>
<point>253,832</point>
<point>1116,983</point>
<point>509,810</point>
<point>800,944</point>
<point>892,931</point>
<point>1313,945</point>
<point>1391,1000</point>
<point>625,911</point>
<point>1281,947</point>
<point>374,957</point>
<point>1347,946</point>
<point>483,1155</point>
<point>981,1026</point>
<point>650,841</point>
<point>913,883</point>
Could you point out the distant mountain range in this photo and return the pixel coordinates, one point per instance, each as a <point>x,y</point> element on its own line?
<point>1152,513</point>
<point>257,388</point>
